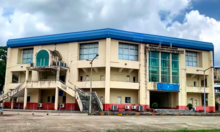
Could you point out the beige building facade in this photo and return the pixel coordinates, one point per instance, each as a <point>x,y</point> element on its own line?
<point>132,69</point>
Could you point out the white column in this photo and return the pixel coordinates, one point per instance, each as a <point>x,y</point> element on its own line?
<point>56,98</point>
<point>107,73</point>
<point>25,98</point>
<point>142,91</point>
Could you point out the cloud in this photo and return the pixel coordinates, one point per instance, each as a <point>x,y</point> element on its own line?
<point>33,18</point>
<point>198,27</point>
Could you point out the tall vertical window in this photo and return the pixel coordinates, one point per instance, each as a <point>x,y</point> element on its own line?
<point>153,66</point>
<point>128,52</point>
<point>165,67</point>
<point>191,59</point>
<point>88,51</point>
<point>27,56</point>
<point>175,68</point>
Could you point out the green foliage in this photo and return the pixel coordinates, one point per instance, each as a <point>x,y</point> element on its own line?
<point>155,105</point>
<point>189,106</point>
<point>3,59</point>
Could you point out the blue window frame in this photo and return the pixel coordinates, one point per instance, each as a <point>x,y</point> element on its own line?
<point>88,51</point>
<point>128,52</point>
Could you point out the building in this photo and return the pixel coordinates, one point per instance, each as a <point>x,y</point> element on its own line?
<point>217,88</point>
<point>132,69</point>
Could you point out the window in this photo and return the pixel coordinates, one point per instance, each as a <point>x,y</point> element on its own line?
<point>175,68</point>
<point>128,52</point>
<point>127,99</point>
<point>42,58</point>
<point>215,77</point>
<point>28,99</point>
<point>27,56</point>
<point>153,66</point>
<point>87,77</point>
<point>191,59</point>
<point>88,51</point>
<point>15,78</point>
<point>128,78</point>
<point>165,67</point>
<point>48,99</point>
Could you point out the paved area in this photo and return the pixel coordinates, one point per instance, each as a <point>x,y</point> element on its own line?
<point>10,121</point>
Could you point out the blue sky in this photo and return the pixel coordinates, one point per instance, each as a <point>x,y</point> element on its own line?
<point>190,19</point>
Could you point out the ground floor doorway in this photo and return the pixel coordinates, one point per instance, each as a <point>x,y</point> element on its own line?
<point>165,100</point>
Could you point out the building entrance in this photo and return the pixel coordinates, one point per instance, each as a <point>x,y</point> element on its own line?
<point>165,100</point>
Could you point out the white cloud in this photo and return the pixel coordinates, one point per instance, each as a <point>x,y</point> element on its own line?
<point>198,27</point>
<point>42,17</point>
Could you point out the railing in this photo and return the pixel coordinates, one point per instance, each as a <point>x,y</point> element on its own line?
<point>99,101</point>
<point>11,93</point>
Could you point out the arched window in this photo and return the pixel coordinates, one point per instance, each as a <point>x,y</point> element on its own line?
<point>42,58</point>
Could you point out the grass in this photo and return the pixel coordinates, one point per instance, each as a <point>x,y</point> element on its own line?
<point>184,130</point>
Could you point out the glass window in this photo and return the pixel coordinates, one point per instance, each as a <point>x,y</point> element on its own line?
<point>127,99</point>
<point>128,52</point>
<point>153,66</point>
<point>191,59</point>
<point>165,67</point>
<point>88,51</point>
<point>27,56</point>
<point>175,68</point>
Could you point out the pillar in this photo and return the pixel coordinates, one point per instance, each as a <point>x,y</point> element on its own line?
<point>56,98</point>
<point>107,74</point>
<point>58,74</point>
<point>142,87</point>
<point>12,103</point>
<point>147,92</point>
<point>25,98</point>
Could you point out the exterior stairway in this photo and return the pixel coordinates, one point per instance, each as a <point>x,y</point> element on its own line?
<point>82,97</point>
<point>12,93</point>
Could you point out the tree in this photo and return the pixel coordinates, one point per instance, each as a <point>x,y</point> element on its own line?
<point>3,60</point>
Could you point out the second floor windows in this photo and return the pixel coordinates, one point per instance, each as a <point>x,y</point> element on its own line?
<point>27,56</point>
<point>191,59</point>
<point>88,51</point>
<point>128,52</point>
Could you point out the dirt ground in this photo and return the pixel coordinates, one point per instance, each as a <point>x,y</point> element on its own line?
<point>10,121</point>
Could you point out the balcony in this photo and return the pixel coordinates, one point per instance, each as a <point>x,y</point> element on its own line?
<point>193,70</point>
<point>95,84</point>
<point>191,89</point>
<point>41,84</point>
<point>124,85</point>
<point>13,85</point>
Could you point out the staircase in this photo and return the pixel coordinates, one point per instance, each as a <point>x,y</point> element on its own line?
<point>12,93</point>
<point>82,97</point>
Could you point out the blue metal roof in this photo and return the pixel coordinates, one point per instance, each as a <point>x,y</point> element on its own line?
<point>109,33</point>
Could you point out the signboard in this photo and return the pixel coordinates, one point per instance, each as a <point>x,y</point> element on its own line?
<point>167,87</point>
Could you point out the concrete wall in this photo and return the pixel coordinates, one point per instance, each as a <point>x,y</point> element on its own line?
<point>115,93</point>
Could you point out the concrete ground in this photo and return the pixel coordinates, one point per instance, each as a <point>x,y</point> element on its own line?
<point>10,121</point>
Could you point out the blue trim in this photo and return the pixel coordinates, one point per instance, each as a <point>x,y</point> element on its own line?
<point>111,33</point>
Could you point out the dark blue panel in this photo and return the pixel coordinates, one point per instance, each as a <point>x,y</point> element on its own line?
<point>60,93</point>
<point>167,87</point>
<point>111,33</point>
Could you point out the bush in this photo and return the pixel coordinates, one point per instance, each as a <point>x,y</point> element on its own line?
<point>155,105</point>
<point>189,106</point>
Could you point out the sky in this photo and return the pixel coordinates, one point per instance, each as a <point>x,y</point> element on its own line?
<point>189,19</point>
